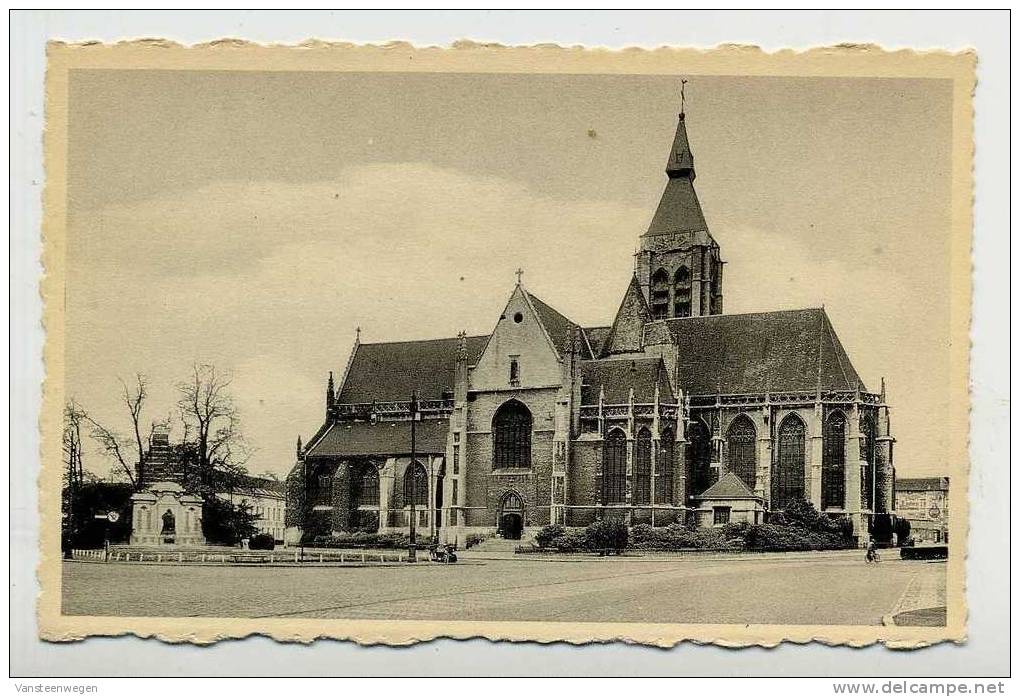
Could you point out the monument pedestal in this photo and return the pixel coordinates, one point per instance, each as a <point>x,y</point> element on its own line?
<point>164,514</point>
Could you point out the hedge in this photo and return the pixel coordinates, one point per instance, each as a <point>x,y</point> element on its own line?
<point>363,540</point>
<point>799,527</point>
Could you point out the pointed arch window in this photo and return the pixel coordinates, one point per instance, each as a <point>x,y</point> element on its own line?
<point>660,294</point>
<point>664,467</point>
<point>420,485</point>
<point>834,461</point>
<point>740,442</point>
<point>614,468</point>
<point>682,292</point>
<point>643,467</point>
<point>699,467</point>
<point>788,468</point>
<point>366,486</point>
<point>511,436</point>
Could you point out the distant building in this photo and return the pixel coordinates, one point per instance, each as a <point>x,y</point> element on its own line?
<point>267,498</point>
<point>924,501</point>
<point>674,412</point>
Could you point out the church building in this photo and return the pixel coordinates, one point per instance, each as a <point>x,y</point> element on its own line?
<point>674,412</point>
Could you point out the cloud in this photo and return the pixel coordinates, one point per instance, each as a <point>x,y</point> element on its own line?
<point>269,279</point>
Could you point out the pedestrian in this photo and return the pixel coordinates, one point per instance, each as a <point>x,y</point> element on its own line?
<point>872,554</point>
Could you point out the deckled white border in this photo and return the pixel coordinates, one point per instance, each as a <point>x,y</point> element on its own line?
<point>677,37</point>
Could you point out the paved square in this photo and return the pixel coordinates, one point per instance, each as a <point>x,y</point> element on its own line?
<point>759,590</point>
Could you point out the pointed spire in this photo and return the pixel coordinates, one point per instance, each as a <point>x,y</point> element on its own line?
<point>300,450</point>
<point>330,393</point>
<point>681,159</point>
<point>679,210</point>
<point>883,390</point>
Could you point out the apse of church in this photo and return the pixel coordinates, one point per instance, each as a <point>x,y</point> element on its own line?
<point>674,412</point>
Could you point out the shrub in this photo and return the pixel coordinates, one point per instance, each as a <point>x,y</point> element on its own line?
<point>362,540</point>
<point>475,538</point>
<point>606,536</point>
<point>677,537</point>
<point>544,537</point>
<point>570,541</point>
<point>789,538</point>
<point>262,541</point>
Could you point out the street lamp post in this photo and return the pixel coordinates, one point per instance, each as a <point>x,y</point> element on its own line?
<point>412,543</point>
<point>304,503</point>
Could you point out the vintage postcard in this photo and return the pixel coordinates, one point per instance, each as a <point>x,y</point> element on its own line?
<point>387,344</point>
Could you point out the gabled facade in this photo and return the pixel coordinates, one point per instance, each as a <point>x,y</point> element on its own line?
<point>675,412</point>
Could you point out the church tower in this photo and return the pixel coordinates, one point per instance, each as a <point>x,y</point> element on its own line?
<point>678,265</point>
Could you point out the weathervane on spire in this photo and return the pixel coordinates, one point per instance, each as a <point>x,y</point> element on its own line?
<point>683,97</point>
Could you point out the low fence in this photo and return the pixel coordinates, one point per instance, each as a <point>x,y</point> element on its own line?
<point>198,556</point>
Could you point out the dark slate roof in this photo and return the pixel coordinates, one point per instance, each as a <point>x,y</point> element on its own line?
<point>390,438</point>
<point>597,337</point>
<point>617,375</point>
<point>729,486</point>
<point>922,483</point>
<point>388,372</point>
<point>556,325</point>
<point>681,159</point>
<point>761,352</point>
<point>678,211</point>
<point>628,326</point>
<point>246,483</point>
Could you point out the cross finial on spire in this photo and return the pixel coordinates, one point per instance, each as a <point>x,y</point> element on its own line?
<point>357,333</point>
<point>683,96</point>
<point>519,272</point>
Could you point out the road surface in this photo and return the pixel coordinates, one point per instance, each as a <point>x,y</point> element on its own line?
<point>756,590</point>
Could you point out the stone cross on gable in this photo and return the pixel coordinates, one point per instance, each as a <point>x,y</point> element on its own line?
<point>519,272</point>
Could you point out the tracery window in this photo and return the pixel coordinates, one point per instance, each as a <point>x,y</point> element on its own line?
<point>741,440</point>
<point>834,462</point>
<point>788,468</point>
<point>868,435</point>
<point>511,436</point>
<point>699,461</point>
<point>664,467</point>
<point>366,486</point>
<point>614,468</point>
<point>682,292</point>
<point>420,485</point>
<point>643,467</point>
<point>660,294</point>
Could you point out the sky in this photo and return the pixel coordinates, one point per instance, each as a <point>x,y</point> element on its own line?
<point>252,220</point>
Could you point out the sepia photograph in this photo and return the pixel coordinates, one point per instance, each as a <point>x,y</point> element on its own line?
<point>388,344</point>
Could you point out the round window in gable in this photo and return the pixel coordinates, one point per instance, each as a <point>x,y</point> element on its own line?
<point>518,317</point>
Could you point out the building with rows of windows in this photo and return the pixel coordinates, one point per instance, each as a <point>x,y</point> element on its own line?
<point>675,411</point>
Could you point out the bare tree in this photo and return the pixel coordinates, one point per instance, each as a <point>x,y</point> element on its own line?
<point>129,452</point>
<point>74,417</point>
<point>211,420</point>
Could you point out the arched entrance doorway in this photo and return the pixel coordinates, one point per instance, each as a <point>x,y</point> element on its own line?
<point>511,516</point>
